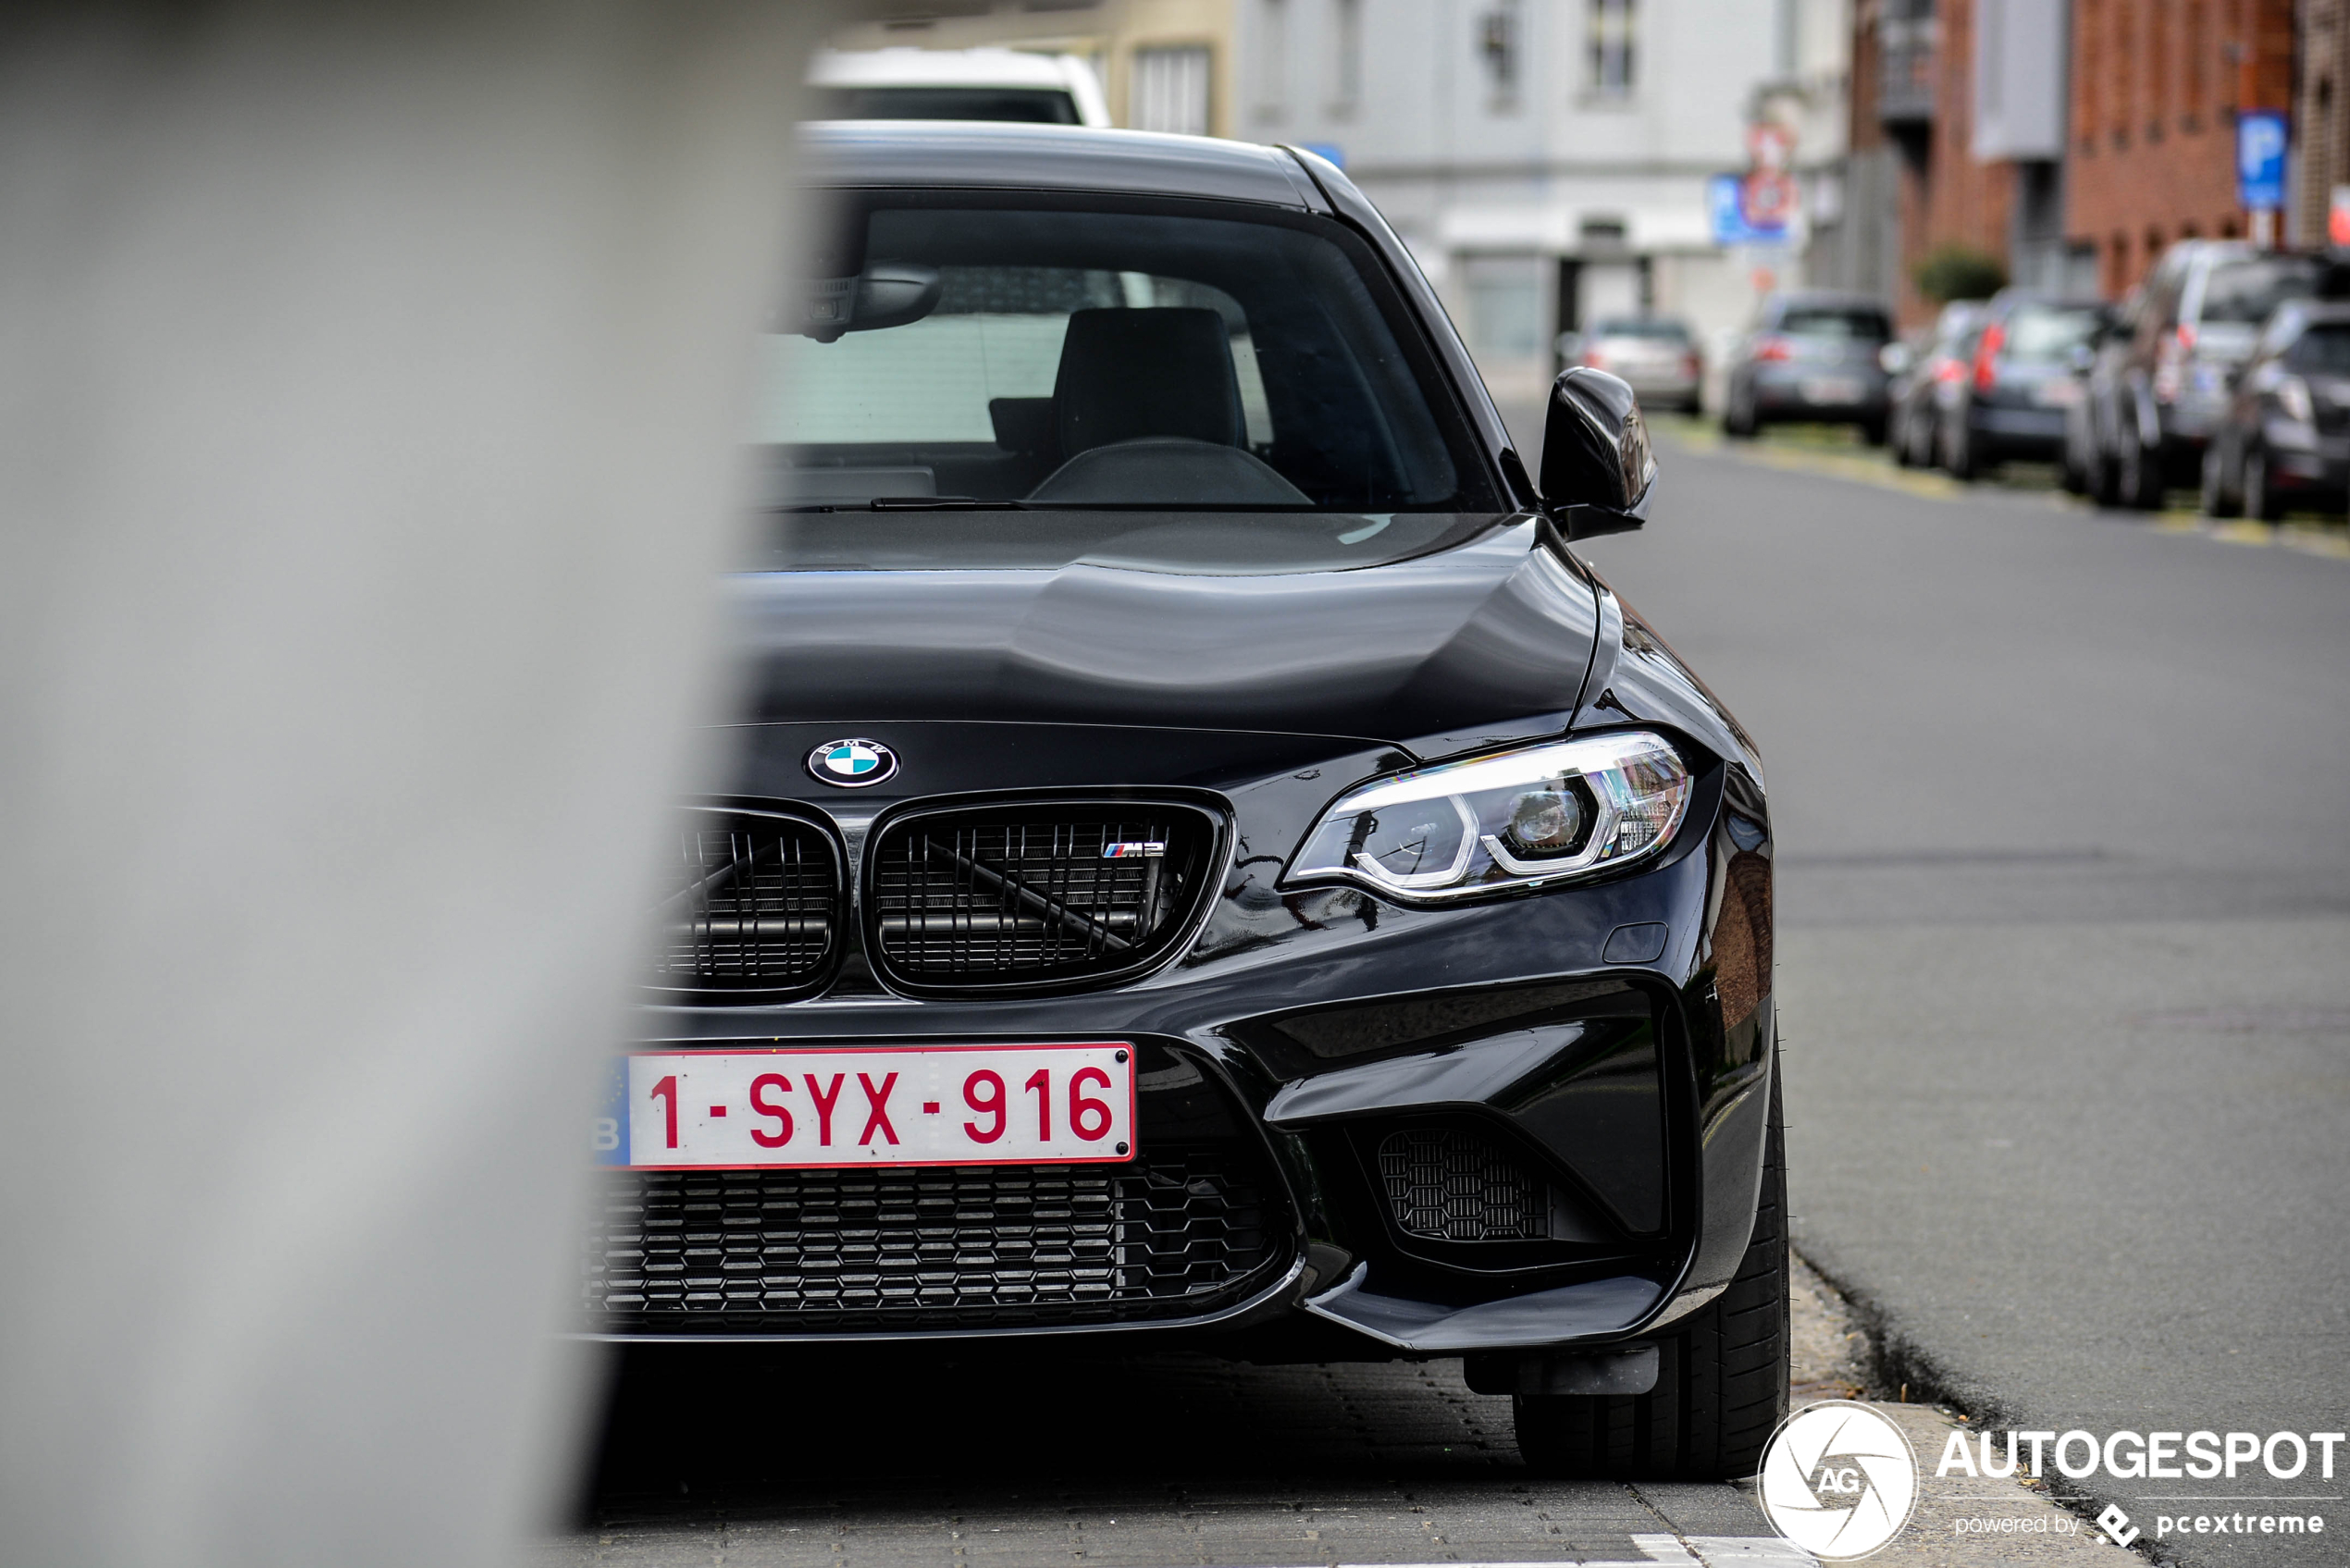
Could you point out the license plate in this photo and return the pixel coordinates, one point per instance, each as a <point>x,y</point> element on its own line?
<point>1830,390</point>
<point>901,1105</point>
<point>2058,394</point>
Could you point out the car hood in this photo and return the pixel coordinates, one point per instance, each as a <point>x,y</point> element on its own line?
<point>1482,643</point>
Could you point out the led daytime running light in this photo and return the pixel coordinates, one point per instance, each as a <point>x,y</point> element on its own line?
<point>1459,829</point>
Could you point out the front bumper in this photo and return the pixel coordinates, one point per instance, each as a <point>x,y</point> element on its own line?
<point>2307,463</point>
<point>1612,1039</point>
<point>1660,385</point>
<point>1828,391</point>
<point>2017,432</point>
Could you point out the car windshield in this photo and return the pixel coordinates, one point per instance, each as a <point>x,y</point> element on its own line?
<point>1839,322</point>
<point>2322,349</point>
<point>2248,290</point>
<point>2048,332</point>
<point>1210,358</point>
<point>1624,326</point>
<point>1032,105</point>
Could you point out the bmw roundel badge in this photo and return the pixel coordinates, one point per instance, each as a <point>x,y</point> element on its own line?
<point>852,764</point>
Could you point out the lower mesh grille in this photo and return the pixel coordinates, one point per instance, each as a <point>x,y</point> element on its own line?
<point>754,905</point>
<point>794,1251</point>
<point>1457,1185</point>
<point>1030,895</point>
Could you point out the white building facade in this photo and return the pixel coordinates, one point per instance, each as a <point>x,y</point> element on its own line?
<point>1547,160</point>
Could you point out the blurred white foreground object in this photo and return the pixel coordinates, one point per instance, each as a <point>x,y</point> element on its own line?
<point>369,380</point>
<point>1003,84</point>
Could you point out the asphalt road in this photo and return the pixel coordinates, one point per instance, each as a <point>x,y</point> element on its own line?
<point>2064,968</point>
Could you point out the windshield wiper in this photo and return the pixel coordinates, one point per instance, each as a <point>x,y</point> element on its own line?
<point>944,504</point>
<point>908,503</point>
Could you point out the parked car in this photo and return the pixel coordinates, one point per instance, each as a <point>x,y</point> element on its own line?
<point>986,84</point>
<point>2016,383</point>
<point>2286,435</point>
<point>1810,356</point>
<point>1655,355</point>
<point>1207,862</point>
<point>2096,366</point>
<point>2156,398</point>
<point>1916,373</point>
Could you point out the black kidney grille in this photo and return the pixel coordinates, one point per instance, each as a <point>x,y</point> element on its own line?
<point>1456,1185</point>
<point>753,905</point>
<point>796,1251</point>
<point>1033,895</point>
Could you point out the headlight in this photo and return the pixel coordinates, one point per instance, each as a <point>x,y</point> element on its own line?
<point>2293,395</point>
<point>1520,819</point>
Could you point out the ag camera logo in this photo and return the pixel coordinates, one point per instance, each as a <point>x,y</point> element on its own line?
<point>1839,1480</point>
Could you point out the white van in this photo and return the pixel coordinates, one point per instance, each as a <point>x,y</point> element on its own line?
<point>993,84</point>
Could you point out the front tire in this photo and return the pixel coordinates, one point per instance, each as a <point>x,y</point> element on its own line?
<point>2261,498</point>
<point>2219,501</point>
<point>1905,454</point>
<point>1721,1379</point>
<point>1958,452</point>
<point>1739,420</point>
<point>2139,476</point>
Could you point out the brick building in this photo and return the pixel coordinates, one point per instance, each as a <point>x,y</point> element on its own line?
<point>2156,85</point>
<point>2321,118</point>
<point>2075,141</point>
<point>1918,151</point>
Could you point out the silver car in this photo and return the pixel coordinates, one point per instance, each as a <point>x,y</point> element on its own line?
<point>1812,356</point>
<point>1657,354</point>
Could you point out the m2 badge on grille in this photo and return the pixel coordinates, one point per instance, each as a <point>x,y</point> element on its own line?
<point>912,1106</point>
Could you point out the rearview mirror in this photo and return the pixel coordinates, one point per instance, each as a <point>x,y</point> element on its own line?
<point>1596,463</point>
<point>885,294</point>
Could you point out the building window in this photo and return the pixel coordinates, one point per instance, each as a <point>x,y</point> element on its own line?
<point>1346,65</point>
<point>2088,75</point>
<point>1272,57</point>
<point>1497,39</point>
<point>1609,48</point>
<point>1505,307</point>
<point>1170,90</point>
<point>2198,48</point>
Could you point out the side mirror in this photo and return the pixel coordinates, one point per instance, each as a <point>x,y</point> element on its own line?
<point>1596,463</point>
<point>2082,359</point>
<point>1895,359</point>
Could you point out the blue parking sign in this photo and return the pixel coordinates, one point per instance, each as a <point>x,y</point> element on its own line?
<point>2260,140</point>
<point>1726,214</point>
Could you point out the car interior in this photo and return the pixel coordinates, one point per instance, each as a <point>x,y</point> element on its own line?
<point>1102,359</point>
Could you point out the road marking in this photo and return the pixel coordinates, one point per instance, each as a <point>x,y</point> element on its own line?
<point>2331,543</point>
<point>1668,1552</point>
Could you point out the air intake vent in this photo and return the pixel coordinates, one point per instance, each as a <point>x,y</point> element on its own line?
<point>824,1251</point>
<point>1458,1185</point>
<point>753,910</point>
<point>1035,895</point>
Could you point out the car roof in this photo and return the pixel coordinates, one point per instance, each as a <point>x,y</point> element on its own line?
<point>2008,301</point>
<point>1835,298</point>
<point>905,67</point>
<point>1001,155</point>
